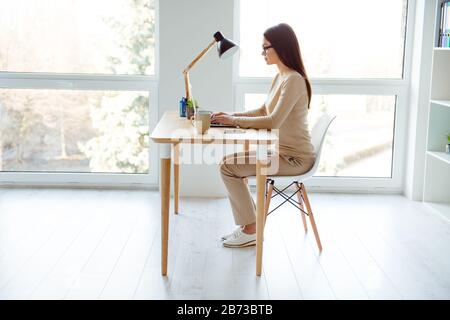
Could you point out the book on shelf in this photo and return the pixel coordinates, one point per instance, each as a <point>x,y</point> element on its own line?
<point>444,25</point>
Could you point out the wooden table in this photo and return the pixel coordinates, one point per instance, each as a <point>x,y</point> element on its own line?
<point>170,132</point>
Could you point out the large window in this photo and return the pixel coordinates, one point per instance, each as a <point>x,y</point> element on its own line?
<point>77,89</point>
<point>74,131</point>
<point>356,55</point>
<point>81,36</point>
<point>339,39</point>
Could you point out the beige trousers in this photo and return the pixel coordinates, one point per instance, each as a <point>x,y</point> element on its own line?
<point>237,166</point>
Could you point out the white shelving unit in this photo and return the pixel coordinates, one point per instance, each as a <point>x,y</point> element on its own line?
<point>437,167</point>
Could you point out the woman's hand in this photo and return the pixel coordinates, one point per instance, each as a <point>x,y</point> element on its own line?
<point>223,118</point>
<point>215,114</point>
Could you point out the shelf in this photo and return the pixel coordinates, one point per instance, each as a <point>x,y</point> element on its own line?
<point>436,183</point>
<point>440,77</point>
<point>442,209</point>
<point>445,103</point>
<point>440,155</point>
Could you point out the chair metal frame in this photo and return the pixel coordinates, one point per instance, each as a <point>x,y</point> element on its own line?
<point>318,134</point>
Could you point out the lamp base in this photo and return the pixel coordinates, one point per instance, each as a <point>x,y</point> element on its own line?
<point>189,113</point>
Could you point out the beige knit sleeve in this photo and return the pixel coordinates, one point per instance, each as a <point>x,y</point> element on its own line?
<point>261,111</point>
<point>292,90</point>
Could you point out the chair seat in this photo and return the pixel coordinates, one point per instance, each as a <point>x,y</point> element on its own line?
<point>285,180</point>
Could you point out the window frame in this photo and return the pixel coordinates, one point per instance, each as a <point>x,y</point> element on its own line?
<point>64,81</point>
<point>323,86</point>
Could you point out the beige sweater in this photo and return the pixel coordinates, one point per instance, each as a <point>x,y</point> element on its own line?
<point>286,109</point>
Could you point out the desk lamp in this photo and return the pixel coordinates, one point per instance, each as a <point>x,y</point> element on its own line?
<point>225,48</point>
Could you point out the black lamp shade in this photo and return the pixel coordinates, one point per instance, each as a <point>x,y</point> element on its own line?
<point>226,48</point>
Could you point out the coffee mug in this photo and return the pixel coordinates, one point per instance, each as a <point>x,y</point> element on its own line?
<point>202,121</point>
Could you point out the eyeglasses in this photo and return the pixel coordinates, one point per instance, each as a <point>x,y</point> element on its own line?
<point>265,48</point>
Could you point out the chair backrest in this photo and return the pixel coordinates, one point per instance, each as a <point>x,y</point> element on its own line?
<point>318,134</point>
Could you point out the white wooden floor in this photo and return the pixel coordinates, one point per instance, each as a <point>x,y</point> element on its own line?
<point>87,244</point>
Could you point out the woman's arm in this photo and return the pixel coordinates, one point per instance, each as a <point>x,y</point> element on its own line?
<point>261,111</point>
<point>225,118</point>
<point>292,90</point>
<point>251,113</point>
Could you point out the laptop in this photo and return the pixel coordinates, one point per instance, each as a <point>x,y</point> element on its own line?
<point>221,125</point>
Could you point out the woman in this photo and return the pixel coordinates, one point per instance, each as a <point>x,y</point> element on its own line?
<point>285,109</point>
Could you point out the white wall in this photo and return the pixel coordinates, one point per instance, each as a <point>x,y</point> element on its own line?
<point>186,28</point>
<point>419,97</point>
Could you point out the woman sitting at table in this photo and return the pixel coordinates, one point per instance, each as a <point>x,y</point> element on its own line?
<point>285,109</point>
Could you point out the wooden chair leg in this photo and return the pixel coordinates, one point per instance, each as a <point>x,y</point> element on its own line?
<point>299,197</point>
<point>311,216</point>
<point>176,176</point>
<point>267,200</point>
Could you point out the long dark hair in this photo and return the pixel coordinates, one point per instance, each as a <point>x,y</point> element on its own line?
<point>284,41</point>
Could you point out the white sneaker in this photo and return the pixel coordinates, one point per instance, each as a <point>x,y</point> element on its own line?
<point>239,239</point>
<point>225,237</point>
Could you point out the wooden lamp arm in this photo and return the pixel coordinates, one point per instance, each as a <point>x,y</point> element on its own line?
<point>189,67</point>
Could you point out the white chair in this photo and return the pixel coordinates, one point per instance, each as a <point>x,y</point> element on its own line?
<point>317,137</point>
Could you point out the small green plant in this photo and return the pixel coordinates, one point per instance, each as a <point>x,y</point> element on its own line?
<point>448,137</point>
<point>190,103</point>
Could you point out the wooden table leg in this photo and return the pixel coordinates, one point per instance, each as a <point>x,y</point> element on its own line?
<point>176,175</point>
<point>246,149</point>
<point>260,188</point>
<point>165,204</point>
